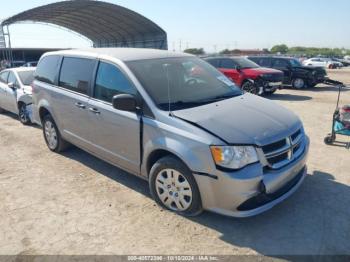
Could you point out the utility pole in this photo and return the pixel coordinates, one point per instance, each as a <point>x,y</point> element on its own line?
<point>180,45</point>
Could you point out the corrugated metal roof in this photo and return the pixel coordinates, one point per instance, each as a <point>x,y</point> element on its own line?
<point>105,24</point>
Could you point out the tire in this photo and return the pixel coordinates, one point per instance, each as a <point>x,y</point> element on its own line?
<point>268,93</point>
<point>298,83</point>
<point>328,140</point>
<point>52,136</point>
<point>167,176</point>
<point>249,87</point>
<point>22,114</point>
<point>1,110</point>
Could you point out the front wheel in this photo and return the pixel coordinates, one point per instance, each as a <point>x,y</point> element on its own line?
<point>23,114</point>
<point>173,187</point>
<point>52,136</point>
<point>328,140</point>
<point>298,83</point>
<point>250,87</point>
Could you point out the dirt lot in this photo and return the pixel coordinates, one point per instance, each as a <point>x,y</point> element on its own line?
<point>76,204</point>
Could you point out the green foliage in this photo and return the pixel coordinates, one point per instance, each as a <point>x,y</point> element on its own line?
<point>283,49</point>
<point>195,51</point>
<point>311,51</point>
<point>225,52</point>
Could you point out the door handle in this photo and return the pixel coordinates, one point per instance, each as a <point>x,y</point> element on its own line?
<point>94,110</point>
<point>80,105</point>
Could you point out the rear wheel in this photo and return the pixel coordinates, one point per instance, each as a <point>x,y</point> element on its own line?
<point>298,83</point>
<point>173,187</point>
<point>23,114</point>
<point>250,87</point>
<point>52,136</point>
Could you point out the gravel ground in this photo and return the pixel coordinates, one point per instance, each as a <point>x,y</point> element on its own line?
<point>76,204</point>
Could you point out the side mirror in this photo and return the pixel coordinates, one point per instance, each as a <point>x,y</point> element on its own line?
<point>124,102</point>
<point>238,68</point>
<point>11,85</point>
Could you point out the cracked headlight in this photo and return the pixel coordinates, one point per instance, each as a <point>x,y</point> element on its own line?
<point>234,157</point>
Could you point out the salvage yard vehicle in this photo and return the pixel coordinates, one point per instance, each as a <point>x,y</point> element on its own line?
<point>295,73</point>
<point>196,138</point>
<point>249,76</point>
<point>16,92</point>
<point>323,62</point>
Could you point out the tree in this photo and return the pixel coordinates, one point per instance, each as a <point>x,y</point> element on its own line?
<point>225,52</point>
<point>279,49</point>
<point>195,51</point>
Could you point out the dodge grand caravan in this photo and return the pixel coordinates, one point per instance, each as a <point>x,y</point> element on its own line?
<point>199,141</point>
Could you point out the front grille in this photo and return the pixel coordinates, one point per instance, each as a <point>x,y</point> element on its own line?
<point>282,152</point>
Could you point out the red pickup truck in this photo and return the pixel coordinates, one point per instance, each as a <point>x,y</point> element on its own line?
<point>248,75</point>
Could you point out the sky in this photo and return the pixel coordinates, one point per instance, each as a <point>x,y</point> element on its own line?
<point>211,24</point>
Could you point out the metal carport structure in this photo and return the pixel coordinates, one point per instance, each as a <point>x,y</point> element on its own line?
<point>105,24</point>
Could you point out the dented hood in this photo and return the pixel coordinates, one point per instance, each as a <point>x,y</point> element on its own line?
<point>246,119</point>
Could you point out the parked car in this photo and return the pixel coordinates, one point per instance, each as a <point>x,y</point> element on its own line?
<point>16,92</point>
<point>295,73</point>
<point>199,141</point>
<point>322,62</point>
<point>30,64</point>
<point>249,76</point>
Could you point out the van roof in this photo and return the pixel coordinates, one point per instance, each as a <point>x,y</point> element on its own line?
<point>124,54</point>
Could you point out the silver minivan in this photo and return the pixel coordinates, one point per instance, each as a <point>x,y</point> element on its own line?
<point>176,121</point>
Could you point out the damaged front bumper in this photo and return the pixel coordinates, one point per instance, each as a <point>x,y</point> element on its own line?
<point>252,190</point>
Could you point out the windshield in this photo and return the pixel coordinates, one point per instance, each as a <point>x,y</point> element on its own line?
<point>26,77</point>
<point>294,63</point>
<point>245,63</point>
<point>178,83</point>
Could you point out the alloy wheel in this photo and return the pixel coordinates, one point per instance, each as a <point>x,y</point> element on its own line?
<point>23,114</point>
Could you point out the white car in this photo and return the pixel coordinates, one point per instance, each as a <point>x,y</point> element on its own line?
<point>16,92</point>
<point>322,62</point>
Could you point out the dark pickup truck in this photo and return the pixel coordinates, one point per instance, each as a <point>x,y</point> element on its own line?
<point>295,73</point>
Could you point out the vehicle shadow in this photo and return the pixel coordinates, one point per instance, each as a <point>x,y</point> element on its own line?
<point>15,117</point>
<point>289,97</point>
<point>314,221</point>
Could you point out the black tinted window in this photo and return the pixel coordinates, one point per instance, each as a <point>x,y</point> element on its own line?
<point>280,63</point>
<point>3,77</point>
<point>228,63</point>
<point>261,61</point>
<point>47,69</point>
<point>110,81</point>
<point>213,62</point>
<point>76,74</point>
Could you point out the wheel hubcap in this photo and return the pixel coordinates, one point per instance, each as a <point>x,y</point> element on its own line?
<point>173,190</point>
<point>51,135</point>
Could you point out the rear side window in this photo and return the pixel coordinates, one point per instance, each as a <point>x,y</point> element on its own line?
<point>76,74</point>
<point>3,77</point>
<point>110,81</point>
<point>261,61</point>
<point>228,63</point>
<point>214,62</point>
<point>280,63</point>
<point>47,69</point>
